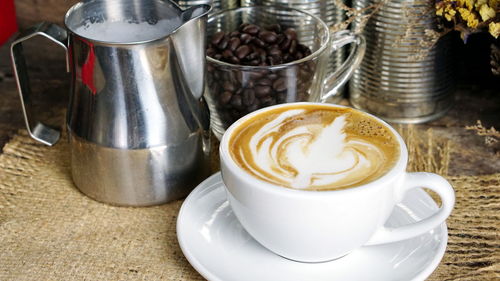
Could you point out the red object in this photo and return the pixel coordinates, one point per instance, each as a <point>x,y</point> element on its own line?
<point>8,24</point>
<point>87,71</point>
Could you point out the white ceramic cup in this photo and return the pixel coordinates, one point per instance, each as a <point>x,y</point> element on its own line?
<point>316,226</point>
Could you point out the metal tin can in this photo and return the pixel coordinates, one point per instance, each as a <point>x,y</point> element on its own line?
<point>401,79</point>
<point>216,4</point>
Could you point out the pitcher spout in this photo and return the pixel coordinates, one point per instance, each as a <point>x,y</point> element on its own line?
<point>189,42</point>
<point>195,12</point>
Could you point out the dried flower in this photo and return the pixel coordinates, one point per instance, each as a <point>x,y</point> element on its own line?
<point>494,29</point>
<point>471,16</point>
<point>492,136</point>
<point>486,12</point>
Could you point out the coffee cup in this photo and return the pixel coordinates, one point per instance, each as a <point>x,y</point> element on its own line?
<point>312,182</point>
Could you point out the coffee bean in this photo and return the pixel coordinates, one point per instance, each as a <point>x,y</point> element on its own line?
<point>243,25</point>
<point>234,43</point>
<point>228,86</point>
<point>227,54</point>
<point>264,82</point>
<point>234,60</point>
<point>272,76</point>
<point>217,56</point>
<point>251,29</point>
<point>255,75</point>
<point>293,47</point>
<point>285,45</point>
<point>223,43</point>
<point>287,57</point>
<point>254,62</point>
<point>236,101</point>
<point>225,97</point>
<point>262,54</point>
<point>268,101</point>
<point>252,107</point>
<point>307,52</point>
<point>217,37</point>
<point>270,60</point>
<point>280,38</point>
<point>252,56</point>
<point>242,51</point>
<point>262,91</point>
<point>290,34</point>
<point>211,52</point>
<point>281,97</point>
<point>257,42</point>
<point>273,46</point>
<point>248,83</point>
<point>245,38</point>
<point>274,51</point>
<point>234,34</point>
<point>268,36</point>
<point>248,97</point>
<point>303,72</point>
<point>279,85</point>
<point>238,78</point>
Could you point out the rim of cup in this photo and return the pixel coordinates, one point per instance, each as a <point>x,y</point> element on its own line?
<point>310,57</point>
<point>397,169</point>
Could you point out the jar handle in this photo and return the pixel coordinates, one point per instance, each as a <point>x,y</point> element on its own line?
<point>36,129</point>
<point>337,79</point>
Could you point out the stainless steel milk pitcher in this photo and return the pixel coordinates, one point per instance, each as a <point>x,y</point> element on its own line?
<point>137,127</point>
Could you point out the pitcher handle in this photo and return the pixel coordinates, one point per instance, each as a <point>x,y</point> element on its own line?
<point>36,129</point>
<point>337,79</point>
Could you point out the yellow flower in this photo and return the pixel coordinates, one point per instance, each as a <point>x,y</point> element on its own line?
<point>470,4</point>
<point>450,12</point>
<point>486,12</point>
<point>479,3</point>
<point>445,10</point>
<point>494,29</point>
<point>469,16</point>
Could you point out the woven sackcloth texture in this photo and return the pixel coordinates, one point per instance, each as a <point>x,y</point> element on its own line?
<point>50,231</point>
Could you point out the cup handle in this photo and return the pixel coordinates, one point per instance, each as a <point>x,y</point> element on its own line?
<point>36,129</point>
<point>337,79</point>
<point>413,180</point>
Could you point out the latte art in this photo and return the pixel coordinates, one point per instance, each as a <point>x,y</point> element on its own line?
<point>313,149</point>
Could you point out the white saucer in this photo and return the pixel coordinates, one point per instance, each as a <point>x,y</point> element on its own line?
<point>219,248</point>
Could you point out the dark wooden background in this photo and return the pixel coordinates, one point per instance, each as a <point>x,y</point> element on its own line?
<point>477,96</point>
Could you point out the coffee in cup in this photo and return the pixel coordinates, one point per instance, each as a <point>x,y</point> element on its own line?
<point>314,147</point>
<point>312,182</point>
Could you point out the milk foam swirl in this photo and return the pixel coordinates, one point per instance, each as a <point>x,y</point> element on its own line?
<point>311,154</point>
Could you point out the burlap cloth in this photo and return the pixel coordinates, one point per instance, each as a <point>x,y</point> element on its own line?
<point>50,231</point>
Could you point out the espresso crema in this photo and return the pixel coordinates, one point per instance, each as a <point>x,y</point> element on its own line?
<point>314,147</point>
